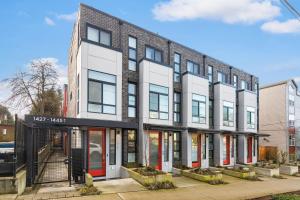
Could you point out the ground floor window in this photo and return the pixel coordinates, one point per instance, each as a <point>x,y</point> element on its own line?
<point>112,147</point>
<point>211,149</point>
<point>176,148</point>
<point>129,146</point>
<point>166,146</point>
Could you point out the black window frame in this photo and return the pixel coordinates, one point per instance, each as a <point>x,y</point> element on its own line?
<point>177,73</point>
<point>134,49</point>
<point>224,77</point>
<point>211,112</point>
<point>134,150</point>
<point>177,113</point>
<point>198,105</point>
<point>229,121</point>
<point>102,83</point>
<point>166,146</point>
<point>235,83</point>
<point>112,159</point>
<point>179,147</point>
<point>194,64</point>
<point>135,97</point>
<point>158,109</point>
<point>99,35</point>
<point>155,50</point>
<point>210,74</point>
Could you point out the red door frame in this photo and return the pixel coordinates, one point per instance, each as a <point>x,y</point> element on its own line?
<point>227,146</point>
<point>159,160</point>
<point>98,172</point>
<point>198,163</point>
<point>250,145</point>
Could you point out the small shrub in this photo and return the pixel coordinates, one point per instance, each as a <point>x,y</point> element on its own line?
<point>204,171</point>
<point>161,185</point>
<point>92,190</point>
<point>148,171</point>
<point>253,178</point>
<point>278,177</point>
<point>286,197</point>
<point>217,182</point>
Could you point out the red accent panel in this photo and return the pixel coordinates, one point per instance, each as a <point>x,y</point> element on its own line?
<point>249,154</point>
<point>227,146</point>
<point>98,172</point>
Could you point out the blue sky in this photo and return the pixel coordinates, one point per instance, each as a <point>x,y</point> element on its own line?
<point>258,36</point>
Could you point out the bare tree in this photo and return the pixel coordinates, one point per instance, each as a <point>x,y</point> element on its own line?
<point>29,89</point>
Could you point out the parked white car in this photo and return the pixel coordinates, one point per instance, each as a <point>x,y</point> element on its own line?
<point>7,147</point>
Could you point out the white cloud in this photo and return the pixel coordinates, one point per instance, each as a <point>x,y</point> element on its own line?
<point>230,11</point>
<point>277,27</point>
<point>49,21</point>
<point>68,17</point>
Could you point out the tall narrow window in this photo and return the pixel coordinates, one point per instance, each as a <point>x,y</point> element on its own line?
<point>192,67</point>
<point>131,100</point>
<point>250,117</point>
<point>254,146</point>
<point>177,107</point>
<point>210,74</point>
<point>228,114</point>
<point>112,147</point>
<point>101,92</point>
<point>131,146</point>
<point>243,85</point>
<point>100,36</point>
<point>222,77</point>
<point>204,148</point>
<point>176,147</point>
<point>177,63</point>
<point>153,54</point>
<point>132,53</point>
<point>235,81</point>
<point>198,109</point>
<point>211,113</point>
<point>159,102</point>
<point>166,146</point>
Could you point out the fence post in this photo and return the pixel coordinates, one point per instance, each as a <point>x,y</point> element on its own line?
<point>15,147</point>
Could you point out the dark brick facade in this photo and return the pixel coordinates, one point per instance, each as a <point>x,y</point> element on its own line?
<point>121,30</point>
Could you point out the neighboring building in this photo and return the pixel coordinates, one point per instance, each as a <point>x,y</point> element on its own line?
<point>279,116</point>
<point>162,103</point>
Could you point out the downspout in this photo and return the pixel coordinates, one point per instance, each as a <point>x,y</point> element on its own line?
<point>204,65</point>
<point>169,52</point>
<point>230,75</point>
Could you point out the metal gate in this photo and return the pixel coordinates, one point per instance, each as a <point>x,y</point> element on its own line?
<point>51,156</point>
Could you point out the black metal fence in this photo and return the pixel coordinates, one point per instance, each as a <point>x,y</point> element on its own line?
<point>13,154</point>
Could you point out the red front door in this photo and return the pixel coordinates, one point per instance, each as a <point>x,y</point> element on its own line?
<point>226,151</point>
<point>155,150</point>
<point>196,150</point>
<point>96,152</point>
<point>249,150</point>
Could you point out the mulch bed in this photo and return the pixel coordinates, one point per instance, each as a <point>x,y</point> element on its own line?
<point>269,197</point>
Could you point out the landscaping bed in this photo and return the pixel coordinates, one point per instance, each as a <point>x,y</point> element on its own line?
<point>151,178</point>
<point>267,169</point>
<point>243,173</point>
<point>204,175</point>
<point>288,169</point>
<point>285,196</point>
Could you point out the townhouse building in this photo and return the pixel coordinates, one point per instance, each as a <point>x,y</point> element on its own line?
<point>279,116</point>
<point>161,103</point>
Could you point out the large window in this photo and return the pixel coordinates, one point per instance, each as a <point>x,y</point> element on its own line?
<point>112,147</point>
<point>250,117</point>
<point>132,100</point>
<point>166,146</point>
<point>228,114</point>
<point>101,92</point>
<point>235,81</point>
<point>177,63</point>
<point>177,107</point>
<point>222,77</point>
<point>153,54</point>
<point>132,53</point>
<point>99,36</point>
<point>131,146</point>
<point>198,109</point>
<point>192,67</point>
<point>159,102</point>
<point>210,74</point>
<point>176,147</point>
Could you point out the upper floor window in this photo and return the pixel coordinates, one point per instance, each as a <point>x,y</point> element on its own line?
<point>101,92</point>
<point>256,87</point>
<point>131,100</point>
<point>292,140</point>
<point>177,63</point>
<point>99,36</point>
<point>291,120</point>
<point>198,109</point>
<point>250,117</point>
<point>153,54</point>
<point>235,81</point>
<point>132,53</point>
<point>244,85</point>
<point>159,102</point>
<point>210,74</point>
<point>228,114</point>
<point>177,106</point>
<point>222,77</point>
<point>192,67</point>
